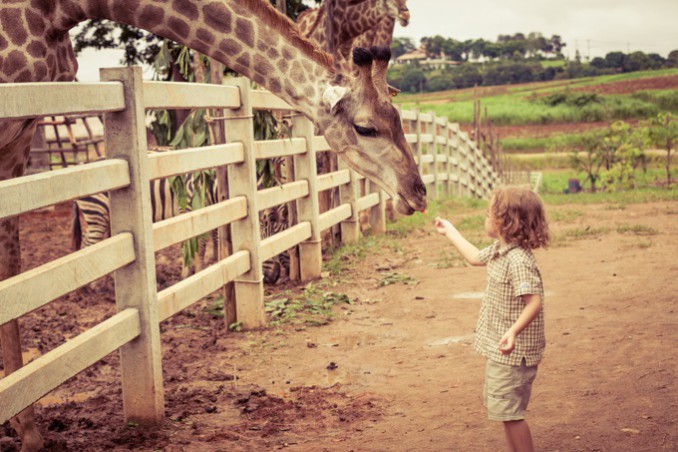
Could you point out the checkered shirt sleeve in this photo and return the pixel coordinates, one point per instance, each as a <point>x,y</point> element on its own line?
<point>512,272</point>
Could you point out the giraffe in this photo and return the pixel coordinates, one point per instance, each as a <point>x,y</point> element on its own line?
<point>353,112</point>
<point>382,33</point>
<point>351,19</point>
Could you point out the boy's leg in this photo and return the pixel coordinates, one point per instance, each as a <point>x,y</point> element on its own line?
<point>518,436</point>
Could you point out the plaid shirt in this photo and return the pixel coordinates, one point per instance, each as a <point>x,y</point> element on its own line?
<point>512,271</point>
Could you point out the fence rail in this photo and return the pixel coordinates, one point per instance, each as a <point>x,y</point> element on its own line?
<point>449,162</point>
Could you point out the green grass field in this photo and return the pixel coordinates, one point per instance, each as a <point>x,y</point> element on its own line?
<point>524,104</point>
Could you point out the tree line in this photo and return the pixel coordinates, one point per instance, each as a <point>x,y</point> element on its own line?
<point>512,59</point>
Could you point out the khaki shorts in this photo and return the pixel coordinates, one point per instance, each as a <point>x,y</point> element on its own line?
<point>507,390</point>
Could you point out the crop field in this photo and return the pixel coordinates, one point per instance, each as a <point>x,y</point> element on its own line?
<point>552,116</point>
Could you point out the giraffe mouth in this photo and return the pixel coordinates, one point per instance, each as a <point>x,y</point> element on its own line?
<point>404,207</point>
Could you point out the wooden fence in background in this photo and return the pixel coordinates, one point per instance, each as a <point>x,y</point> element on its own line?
<point>450,164</point>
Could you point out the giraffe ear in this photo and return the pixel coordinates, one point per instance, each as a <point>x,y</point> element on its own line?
<point>332,96</point>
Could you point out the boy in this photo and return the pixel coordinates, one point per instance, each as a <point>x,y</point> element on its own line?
<point>510,329</point>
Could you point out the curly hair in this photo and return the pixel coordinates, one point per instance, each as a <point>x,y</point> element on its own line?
<point>519,217</point>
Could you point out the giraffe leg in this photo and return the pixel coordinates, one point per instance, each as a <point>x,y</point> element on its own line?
<point>14,157</point>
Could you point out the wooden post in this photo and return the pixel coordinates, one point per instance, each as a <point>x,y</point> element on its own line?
<point>447,153</point>
<point>348,194</point>
<point>433,147</point>
<point>245,233</point>
<point>378,212</point>
<point>135,284</point>
<point>418,145</point>
<point>456,154</point>
<point>308,207</point>
<point>466,162</point>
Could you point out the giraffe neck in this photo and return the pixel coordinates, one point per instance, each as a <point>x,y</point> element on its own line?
<point>382,34</point>
<point>357,18</point>
<point>248,36</point>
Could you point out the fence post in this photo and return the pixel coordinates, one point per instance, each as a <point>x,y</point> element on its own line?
<point>245,233</point>
<point>447,154</point>
<point>455,142</point>
<point>378,212</point>
<point>135,284</point>
<point>348,194</point>
<point>434,154</point>
<point>308,208</point>
<point>417,131</point>
<point>465,163</point>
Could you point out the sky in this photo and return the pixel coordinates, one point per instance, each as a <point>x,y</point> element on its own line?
<point>594,27</point>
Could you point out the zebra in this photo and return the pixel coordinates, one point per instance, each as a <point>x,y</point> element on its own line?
<point>91,216</point>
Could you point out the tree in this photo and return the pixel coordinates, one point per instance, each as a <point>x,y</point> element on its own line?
<point>401,46</point>
<point>557,43</point>
<point>467,76</point>
<point>664,133</point>
<point>589,161</point>
<point>413,79</point>
<point>636,61</point>
<point>615,60</point>
<point>599,63</point>
<point>672,59</point>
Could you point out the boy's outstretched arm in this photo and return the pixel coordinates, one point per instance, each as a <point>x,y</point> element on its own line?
<point>465,248</point>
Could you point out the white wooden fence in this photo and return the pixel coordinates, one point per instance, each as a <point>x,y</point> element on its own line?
<point>449,163</point>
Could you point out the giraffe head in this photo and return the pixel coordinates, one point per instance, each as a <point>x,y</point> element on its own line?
<point>401,11</point>
<point>366,130</point>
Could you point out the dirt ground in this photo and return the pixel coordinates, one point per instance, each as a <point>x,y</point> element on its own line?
<point>395,369</point>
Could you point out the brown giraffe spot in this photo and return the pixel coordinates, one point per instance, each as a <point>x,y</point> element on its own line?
<point>180,27</point>
<point>25,76</point>
<point>15,61</point>
<point>260,79</point>
<point>40,70</point>
<point>99,10</point>
<point>287,54</point>
<point>51,63</point>
<point>152,14</point>
<point>36,23</point>
<point>268,39</point>
<point>10,18</point>
<point>126,12</point>
<point>218,16</point>
<point>274,84</point>
<point>243,60</point>
<point>73,15</point>
<point>44,6</point>
<point>272,53</point>
<point>230,46</point>
<point>222,57</point>
<point>36,49</point>
<point>262,46</point>
<point>309,91</point>
<point>186,8</point>
<point>308,67</point>
<point>292,90</point>
<point>205,36</point>
<point>3,43</point>
<point>283,65</point>
<point>297,73</point>
<point>262,66</point>
<point>244,31</point>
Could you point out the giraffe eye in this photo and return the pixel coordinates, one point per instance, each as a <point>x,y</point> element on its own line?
<point>365,131</point>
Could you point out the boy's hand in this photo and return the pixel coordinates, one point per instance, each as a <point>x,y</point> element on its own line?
<point>443,226</point>
<point>507,343</point>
